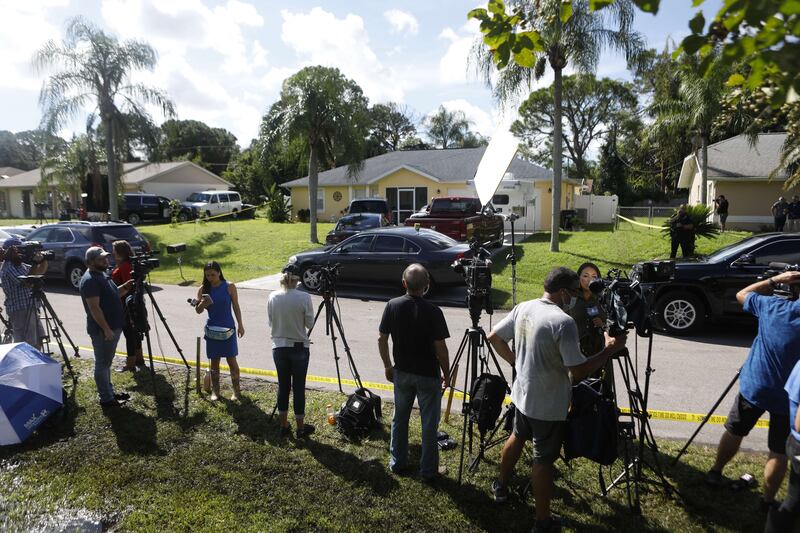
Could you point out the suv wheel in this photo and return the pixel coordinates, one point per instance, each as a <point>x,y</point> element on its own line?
<point>183,216</point>
<point>680,313</point>
<point>74,274</point>
<point>309,277</point>
<point>134,219</point>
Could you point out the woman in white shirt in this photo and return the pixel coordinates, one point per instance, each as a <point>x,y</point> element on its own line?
<point>290,317</point>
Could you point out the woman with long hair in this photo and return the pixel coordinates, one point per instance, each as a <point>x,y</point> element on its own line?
<point>588,314</point>
<point>290,317</point>
<point>123,272</point>
<point>219,297</point>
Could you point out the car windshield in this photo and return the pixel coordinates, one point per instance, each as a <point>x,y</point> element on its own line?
<point>376,206</point>
<point>439,241</point>
<point>731,251</point>
<point>117,233</point>
<point>199,197</point>
<point>356,223</point>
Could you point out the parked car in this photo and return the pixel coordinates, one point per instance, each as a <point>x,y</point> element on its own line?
<point>70,240</point>
<point>379,256</point>
<point>19,232</point>
<point>248,211</point>
<point>460,218</point>
<point>349,225</point>
<point>704,288</point>
<point>141,206</point>
<point>213,203</point>
<point>370,205</point>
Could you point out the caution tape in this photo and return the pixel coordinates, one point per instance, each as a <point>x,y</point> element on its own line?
<point>626,219</point>
<point>654,414</point>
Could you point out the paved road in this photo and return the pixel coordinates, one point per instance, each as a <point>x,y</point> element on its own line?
<point>689,373</point>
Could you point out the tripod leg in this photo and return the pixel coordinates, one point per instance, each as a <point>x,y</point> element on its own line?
<point>350,361</point>
<point>163,321</point>
<point>329,330</point>
<point>465,414</point>
<point>56,323</point>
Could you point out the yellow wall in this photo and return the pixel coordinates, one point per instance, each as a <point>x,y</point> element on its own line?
<point>753,198</point>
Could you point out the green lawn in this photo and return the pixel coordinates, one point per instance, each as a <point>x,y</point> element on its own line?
<point>598,244</point>
<point>180,463</point>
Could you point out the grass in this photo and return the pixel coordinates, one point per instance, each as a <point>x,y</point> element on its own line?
<point>178,462</point>
<point>620,249</point>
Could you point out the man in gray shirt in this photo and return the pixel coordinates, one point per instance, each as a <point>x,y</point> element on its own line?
<point>547,352</point>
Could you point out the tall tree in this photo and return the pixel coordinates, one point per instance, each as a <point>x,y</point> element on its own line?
<point>210,147</point>
<point>390,125</point>
<point>93,70</point>
<point>590,108</point>
<point>326,111</point>
<point>550,32</point>
<point>447,129</point>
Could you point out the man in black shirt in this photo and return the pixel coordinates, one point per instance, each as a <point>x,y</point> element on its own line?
<point>779,211</point>
<point>722,210</point>
<point>681,231</point>
<point>421,366</point>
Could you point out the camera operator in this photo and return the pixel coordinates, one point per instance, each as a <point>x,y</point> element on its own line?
<point>547,352</point>
<point>121,274</point>
<point>681,232</point>
<point>104,320</point>
<point>418,331</point>
<point>20,305</point>
<point>775,351</point>
<point>722,210</point>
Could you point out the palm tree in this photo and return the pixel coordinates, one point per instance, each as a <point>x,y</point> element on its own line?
<point>698,103</point>
<point>447,129</point>
<point>578,42</point>
<point>93,72</point>
<point>329,113</point>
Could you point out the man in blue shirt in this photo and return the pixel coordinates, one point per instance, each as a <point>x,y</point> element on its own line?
<point>104,320</point>
<point>775,351</point>
<point>20,305</point>
<point>783,519</point>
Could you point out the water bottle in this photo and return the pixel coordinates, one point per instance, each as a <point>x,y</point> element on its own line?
<point>331,414</point>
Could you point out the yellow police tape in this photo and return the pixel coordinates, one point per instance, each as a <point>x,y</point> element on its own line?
<point>655,414</point>
<point>638,223</point>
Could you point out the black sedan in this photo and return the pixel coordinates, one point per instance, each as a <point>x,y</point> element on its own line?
<point>378,257</point>
<point>349,225</point>
<point>704,288</point>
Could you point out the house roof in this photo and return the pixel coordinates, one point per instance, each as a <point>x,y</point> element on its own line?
<point>133,173</point>
<point>736,159</point>
<point>7,172</point>
<point>451,165</point>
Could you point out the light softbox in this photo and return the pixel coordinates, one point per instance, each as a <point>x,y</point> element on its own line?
<point>496,159</point>
<point>30,391</point>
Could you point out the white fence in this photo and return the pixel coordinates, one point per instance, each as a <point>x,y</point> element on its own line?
<point>597,209</point>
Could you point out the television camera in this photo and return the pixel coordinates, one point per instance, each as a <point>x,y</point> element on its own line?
<point>29,250</point>
<point>477,272</point>
<point>328,275</point>
<point>789,292</point>
<point>141,265</point>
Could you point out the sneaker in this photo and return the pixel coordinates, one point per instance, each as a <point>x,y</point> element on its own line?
<point>399,470</point>
<point>550,525</point>
<point>125,368</point>
<point>305,431</point>
<point>111,403</point>
<point>122,397</point>
<point>441,472</point>
<point>714,479</point>
<point>499,491</point>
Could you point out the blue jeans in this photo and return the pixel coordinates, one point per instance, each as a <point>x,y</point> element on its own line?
<point>292,365</point>
<point>103,359</point>
<point>428,391</point>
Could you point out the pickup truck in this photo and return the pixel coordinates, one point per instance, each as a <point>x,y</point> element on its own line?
<point>460,218</point>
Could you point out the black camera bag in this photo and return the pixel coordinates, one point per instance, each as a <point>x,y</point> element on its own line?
<point>360,413</point>
<point>591,424</point>
<point>486,400</point>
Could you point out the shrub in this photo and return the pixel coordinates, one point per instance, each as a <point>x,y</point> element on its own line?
<point>304,215</point>
<point>700,218</point>
<point>278,209</point>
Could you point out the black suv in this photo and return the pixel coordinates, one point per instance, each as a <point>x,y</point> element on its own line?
<point>704,288</point>
<point>70,240</point>
<point>141,206</point>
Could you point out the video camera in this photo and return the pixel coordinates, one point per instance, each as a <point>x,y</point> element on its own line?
<point>328,275</point>
<point>477,272</point>
<point>28,250</point>
<point>625,301</point>
<point>783,290</point>
<point>142,264</point>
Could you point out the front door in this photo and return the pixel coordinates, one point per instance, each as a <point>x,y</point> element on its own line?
<point>405,204</point>
<point>26,204</point>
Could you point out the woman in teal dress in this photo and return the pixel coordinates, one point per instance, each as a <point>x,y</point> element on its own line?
<point>220,298</point>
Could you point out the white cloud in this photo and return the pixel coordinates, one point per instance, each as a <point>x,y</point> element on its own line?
<point>320,38</point>
<point>401,21</point>
<point>454,65</point>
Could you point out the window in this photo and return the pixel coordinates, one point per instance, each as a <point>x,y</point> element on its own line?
<point>41,235</point>
<point>149,200</point>
<point>787,251</point>
<point>389,244</point>
<point>199,197</point>
<point>61,235</point>
<point>214,199</point>
<point>500,199</point>
<point>357,222</point>
<point>320,200</point>
<point>224,197</point>
<point>117,233</point>
<point>356,244</point>
<point>412,248</point>
<point>3,202</point>
<point>234,197</point>
<point>359,193</point>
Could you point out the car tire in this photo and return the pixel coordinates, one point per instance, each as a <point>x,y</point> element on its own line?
<point>74,274</point>
<point>134,219</point>
<point>680,313</point>
<point>309,277</point>
<point>183,216</point>
<point>208,214</point>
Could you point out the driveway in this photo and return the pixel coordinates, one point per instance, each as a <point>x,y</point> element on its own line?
<point>689,374</point>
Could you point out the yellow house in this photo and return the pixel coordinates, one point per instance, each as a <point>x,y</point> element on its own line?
<point>409,179</point>
<point>740,172</point>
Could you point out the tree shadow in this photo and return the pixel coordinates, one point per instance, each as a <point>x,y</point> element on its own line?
<point>371,473</point>
<point>135,432</point>
<point>165,396</point>
<point>195,255</point>
<point>253,422</point>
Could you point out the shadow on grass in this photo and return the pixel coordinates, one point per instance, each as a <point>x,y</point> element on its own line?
<point>195,256</point>
<point>165,395</point>
<point>254,422</point>
<point>136,433</point>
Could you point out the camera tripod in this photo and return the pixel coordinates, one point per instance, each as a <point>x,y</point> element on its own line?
<point>472,342</point>
<point>7,336</point>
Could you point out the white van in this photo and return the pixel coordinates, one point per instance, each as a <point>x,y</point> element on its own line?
<point>213,203</point>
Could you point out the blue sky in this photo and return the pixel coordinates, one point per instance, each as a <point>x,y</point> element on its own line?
<point>222,62</point>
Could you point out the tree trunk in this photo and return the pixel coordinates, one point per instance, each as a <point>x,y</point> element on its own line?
<point>557,160</point>
<point>111,169</point>
<point>313,177</point>
<point>704,170</point>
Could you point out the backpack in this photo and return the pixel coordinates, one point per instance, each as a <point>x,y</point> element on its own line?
<point>360,413</point>
<point>486,400</point>
<point>591,424</point>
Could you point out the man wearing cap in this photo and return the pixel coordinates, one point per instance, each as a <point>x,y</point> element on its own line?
<point>20,305</point>
<point>104,320</point>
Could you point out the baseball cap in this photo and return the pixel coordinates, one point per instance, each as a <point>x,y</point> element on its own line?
<point>9,242</point>
<point>94,252</point>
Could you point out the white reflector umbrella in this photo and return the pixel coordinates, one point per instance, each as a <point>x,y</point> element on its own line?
<point>30,391</point>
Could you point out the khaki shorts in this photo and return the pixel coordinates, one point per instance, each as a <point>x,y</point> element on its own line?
<point>547,436</point>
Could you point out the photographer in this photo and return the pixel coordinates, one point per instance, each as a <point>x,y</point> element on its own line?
<point>775,351</point>
<point>547,352</point>
<point>122,274</point>
<point>722,210</point>
<point>681,232</point>
<point>418,331</point>
<point>104,320</point>
<point>20,305</point>
<point>290,316</point>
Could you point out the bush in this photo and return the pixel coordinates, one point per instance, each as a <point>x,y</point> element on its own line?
<point>278,209</point>
<point>304,215</point>
<point>699,215</point>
